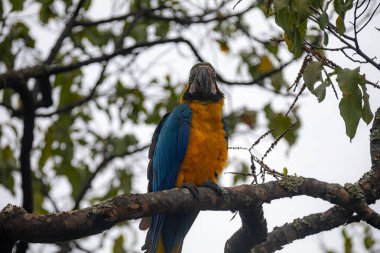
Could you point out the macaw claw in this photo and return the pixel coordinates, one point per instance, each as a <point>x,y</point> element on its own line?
<point>215,187</point>
<point>192,189</point>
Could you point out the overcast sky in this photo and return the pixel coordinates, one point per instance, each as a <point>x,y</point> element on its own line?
<point>322,151</point>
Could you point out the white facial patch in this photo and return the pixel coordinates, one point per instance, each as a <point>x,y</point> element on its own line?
<point>192,88</point>
<point>213,88</point>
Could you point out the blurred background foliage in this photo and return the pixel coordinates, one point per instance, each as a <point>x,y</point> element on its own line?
<point>109,89</point>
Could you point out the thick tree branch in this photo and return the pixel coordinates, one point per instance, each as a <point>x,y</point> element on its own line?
<point>300,228</point>
<point>183,20</point>
<point>88,23</point>
<point>375,142</point>
<point>44,71</point>
<point>200,19</point>
<point>43,82</point>
<point>107,57</point>
<point>19,85</point>
<point>17,224</point>
<point>253,231</point>
<point>40,71</point>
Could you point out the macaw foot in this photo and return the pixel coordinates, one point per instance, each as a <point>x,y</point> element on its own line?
<point>192,189</point>
<point>214,186</point>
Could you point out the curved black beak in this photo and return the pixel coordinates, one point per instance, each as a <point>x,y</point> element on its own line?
<point>203,83</point>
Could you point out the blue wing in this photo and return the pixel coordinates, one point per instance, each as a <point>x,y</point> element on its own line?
<point>169,150</point>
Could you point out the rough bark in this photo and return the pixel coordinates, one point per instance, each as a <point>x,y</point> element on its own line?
<point>253,231</point>
<point>17,224</point>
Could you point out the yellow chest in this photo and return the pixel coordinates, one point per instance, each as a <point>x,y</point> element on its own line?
<point>206,153</point>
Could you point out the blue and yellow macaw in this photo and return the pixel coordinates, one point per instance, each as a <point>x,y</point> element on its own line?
<point>189,148</point>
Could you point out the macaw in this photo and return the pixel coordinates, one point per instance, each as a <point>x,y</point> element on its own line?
<point>189,149</point>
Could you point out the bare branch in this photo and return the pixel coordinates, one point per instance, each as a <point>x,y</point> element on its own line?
<point>253,231</point>
<point>70,107</point>
<point>300,228</point>
<point>26,141</point>
<point>19,85</point>
<point>369,19</point>
<point>19,225</point>
<point>66,31</point>
<point>296,99</point>
<point>256,80</point>
<point>87,23</point>
<point>368,214</point>
<point>186,20</point>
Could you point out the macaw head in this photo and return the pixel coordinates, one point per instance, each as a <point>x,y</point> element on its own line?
<point>202,84</point>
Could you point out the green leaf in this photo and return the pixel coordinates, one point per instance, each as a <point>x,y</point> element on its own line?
<point>350,107</point>
<point>299,37</point>
<point>340,25</point>
<point>239,177</point>
<point>271,47</point>
<point>277,81</point>
<point>39,190</point>
<point>320,91</point>
<point>323,20</point>
<point>312,74</point>
<point>120,145</point>
<point>286,19</point>
<point>223,46</point>
<point>302,9</point>
<point>368,238</point>
<point>342,6</point>
<point>77,177</point>
<point>294,22</point>
<point>139,32</point>
<point>280,4</point>
<point>367,114</point>
<point>162,29</point>
<point>21,31</point>
<point>296,47</point>
<point>17,5</point>
<point>348,80</point>
<point>47,11</point>
<point>347,242</point>
<point>118,245</point>
<point>368,242</point>
<point>325,38</point>
<point>285,171</point>
<point>96,36</point>
<point>8,165</point>
<point>125,180</point>
<point>280,123</point>
<point>87,4</point>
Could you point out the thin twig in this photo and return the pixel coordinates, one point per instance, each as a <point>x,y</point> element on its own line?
<point>68,108</point>
<point>277,140</point>
<point>370,18</point>
<point>296,99</point>
<point>305,62</point>
<point>66,31</point>
<point>261,137</point>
